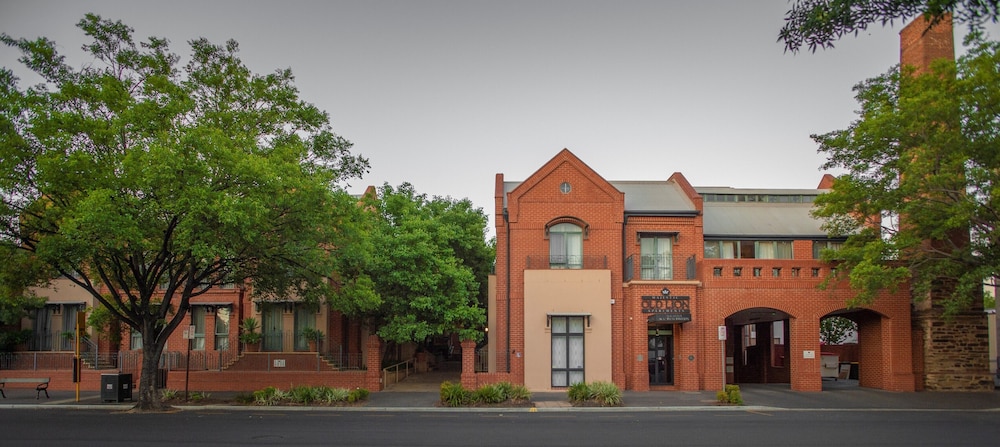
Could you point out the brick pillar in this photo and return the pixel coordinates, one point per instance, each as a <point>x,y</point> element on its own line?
<point>469,365</point>
<point>920,44</point>
<point>954,349</point>
<point>806,374</point>
<point>373,378</point>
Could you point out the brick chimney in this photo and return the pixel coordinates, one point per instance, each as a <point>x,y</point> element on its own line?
<point>948,353</point>
<point>921,43</point>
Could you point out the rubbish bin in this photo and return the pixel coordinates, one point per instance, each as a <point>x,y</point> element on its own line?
<point>116,387</point>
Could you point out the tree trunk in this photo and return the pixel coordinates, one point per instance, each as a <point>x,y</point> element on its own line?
<point>149,398</point>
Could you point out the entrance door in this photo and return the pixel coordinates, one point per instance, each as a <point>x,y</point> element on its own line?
<point>661,356</point>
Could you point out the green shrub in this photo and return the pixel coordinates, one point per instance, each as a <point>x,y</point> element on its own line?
<point>729,395</point>
<point>722,397</point>
<point>733,392</point>
<point>269,396</point>
<point>518,392</point>
<point>197,396</point>
<point>168,394</point>
<point>579,392</point>
<point>606,393</point>
<point>505,389</point>
<point>357,395</point>
<point>453,395</point>
<point>304,395</point>
<point>489,394</point>
<point>329,395</point>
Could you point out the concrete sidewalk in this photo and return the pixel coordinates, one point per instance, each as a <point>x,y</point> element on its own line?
<point>837,396</point>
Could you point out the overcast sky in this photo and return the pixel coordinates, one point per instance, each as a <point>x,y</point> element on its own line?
<point>445,94</point>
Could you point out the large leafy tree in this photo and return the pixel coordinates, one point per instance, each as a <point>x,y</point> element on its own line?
<point>818,23</point>
<point>920,198</point>
<point>153,182</point>
<point>422,270</point>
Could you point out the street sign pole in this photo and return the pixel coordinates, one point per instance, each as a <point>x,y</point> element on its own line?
<point>722,341</point>
<point>189,335</point>
<point>81,324</point>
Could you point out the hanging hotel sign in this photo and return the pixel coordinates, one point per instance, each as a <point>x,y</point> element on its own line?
<point>668,309</point>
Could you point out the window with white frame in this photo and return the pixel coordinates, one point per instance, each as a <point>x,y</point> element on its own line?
<point>819,246</point>
<point>567,350</point>
<point>747,249</point>
<point>222,315</point>
<point>656,254</point>
<point>565,246</point>
<point>198,314</point>
<point>135,340</point>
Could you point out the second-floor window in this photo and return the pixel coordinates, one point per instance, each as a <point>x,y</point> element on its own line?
<point>819,246</point>
<point>747,249</point>
<point>565,246</point>
<point>657,258</point>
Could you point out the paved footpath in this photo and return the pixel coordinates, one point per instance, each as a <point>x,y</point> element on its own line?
<point>843,395</point>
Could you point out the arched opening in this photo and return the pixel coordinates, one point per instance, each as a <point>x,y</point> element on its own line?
<point>856,356</point>
<point>757,346</point>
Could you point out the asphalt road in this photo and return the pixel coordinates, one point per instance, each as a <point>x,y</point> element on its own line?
<point>841,428</point>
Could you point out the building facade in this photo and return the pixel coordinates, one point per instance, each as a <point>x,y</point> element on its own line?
<point>659,285</point>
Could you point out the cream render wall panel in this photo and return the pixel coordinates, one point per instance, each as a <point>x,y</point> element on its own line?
<point>561,292</point>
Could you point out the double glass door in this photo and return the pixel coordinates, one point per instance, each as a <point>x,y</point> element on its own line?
<point>661,356</point>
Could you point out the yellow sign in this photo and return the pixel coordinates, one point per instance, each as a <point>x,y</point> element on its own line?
<point>81,323</point>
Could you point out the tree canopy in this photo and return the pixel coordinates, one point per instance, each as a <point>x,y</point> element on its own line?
<point>920,201</point>
<point>818,23</point>
<point>158,182</point>
<point>423,268</point>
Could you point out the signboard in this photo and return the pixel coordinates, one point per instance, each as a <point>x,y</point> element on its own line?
<point>722,332</point>
<point>671,309</point>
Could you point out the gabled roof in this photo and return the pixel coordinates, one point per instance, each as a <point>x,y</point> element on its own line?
<point>788,215</point>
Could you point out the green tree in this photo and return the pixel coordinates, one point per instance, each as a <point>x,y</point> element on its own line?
<point>818,23</point>
<point>16,299</point>
<point>422,270</point>
<point>156,182</point>
<point>919,200</point>
<point>834,330</point>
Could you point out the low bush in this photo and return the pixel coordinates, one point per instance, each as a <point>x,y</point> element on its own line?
<point>605,394</point>
<point>455,395</point>
<point>357,395</point>
<point>729,395</point>
<point>578,392</point>
<point>305,395</point>
<point>489,394</point>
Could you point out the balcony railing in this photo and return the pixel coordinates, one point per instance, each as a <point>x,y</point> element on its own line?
<point>556,262</point>
<point>656,268</point>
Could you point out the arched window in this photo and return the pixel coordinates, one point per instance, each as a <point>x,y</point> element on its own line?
<point>565,246</point>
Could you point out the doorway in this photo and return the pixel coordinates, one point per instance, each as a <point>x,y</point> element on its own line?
<point>661,355</point>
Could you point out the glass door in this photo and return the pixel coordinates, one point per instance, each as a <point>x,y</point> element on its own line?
<point>661,356</point>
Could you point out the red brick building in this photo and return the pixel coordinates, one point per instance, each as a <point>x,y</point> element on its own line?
<point>636,282</point>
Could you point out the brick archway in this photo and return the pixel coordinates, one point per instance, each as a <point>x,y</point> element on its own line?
<point>757,351</point>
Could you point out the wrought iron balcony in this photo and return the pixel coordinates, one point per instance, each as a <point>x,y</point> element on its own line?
<point>655,268</point>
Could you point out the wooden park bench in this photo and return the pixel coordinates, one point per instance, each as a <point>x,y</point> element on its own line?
<point>41,384</point>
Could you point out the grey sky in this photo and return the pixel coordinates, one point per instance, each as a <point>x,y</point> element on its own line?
<point>445,94</point>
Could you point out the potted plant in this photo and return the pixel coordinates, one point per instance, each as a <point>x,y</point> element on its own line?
<point>250,336</point>
<point>312,336</point>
